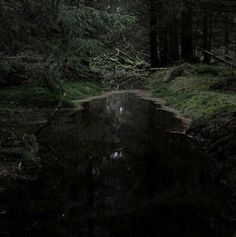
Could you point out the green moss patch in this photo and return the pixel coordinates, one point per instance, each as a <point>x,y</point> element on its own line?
<point>76,91</point>
<point>192,93</point>
<point>28,96</point>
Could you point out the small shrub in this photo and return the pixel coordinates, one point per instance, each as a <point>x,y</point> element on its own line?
<point>182,70</point>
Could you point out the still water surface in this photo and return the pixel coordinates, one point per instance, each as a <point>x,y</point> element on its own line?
<point>115,169</point>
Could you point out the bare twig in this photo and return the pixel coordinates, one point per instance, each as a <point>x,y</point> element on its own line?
<point>52,116</point>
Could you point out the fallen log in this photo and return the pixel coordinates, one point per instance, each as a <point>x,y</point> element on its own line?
<point>220,59</point>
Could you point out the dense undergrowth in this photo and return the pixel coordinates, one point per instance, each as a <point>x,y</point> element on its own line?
<point>197,91</point>
<point>48,48</point>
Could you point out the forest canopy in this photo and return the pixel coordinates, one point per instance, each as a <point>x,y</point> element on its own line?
<point>49,41</point>
<point>44,40</point>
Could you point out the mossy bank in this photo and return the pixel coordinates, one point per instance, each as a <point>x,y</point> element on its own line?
<point>33,96</point>
<point>197,91</point>
<point>204,93</point>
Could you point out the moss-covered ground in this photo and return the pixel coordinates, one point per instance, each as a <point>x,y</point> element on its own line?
<point>197,91</point>
<point>30,96</point>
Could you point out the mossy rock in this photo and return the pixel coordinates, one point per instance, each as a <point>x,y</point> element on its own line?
<point>178,71</point>
<point>173,74</point>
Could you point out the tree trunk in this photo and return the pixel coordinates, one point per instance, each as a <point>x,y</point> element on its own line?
<point>163,45</point>
<point>210,33</point>
<point>154,61</point>
<point>226,38</point>
<point>205,38</point>
<point>173,40</point>
<point>187,35</point>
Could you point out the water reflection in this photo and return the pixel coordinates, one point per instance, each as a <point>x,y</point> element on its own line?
<point>115,108</point>
<point>117,172</point>
<point>118,154</point>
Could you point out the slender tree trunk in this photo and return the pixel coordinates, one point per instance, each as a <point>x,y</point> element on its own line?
<point>163,45</point>
<point>210,32</point>
<point>187,35</point>
<point>154,61</point>
<point>226,38</point>
<point>205,38</point>
<point>173,40</point>
<point>234,41</point>
<point>196,34</point>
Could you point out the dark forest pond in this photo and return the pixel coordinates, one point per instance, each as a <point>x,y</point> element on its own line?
<point>115,169</point>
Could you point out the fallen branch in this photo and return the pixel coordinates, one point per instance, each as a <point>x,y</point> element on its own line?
<point>228,57</point>
<point>124,54</point>
<point>160,68</point>
<point>220,59</point>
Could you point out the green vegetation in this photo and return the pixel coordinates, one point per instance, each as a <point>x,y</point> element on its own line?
<point>42,97</point>
<point>201,91</point>
<point>48,49</point>
<point>76,91</point>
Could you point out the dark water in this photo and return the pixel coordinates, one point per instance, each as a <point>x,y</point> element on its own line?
<point>115,169</point>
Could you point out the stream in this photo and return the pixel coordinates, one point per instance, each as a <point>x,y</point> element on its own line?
<point>121,166</point>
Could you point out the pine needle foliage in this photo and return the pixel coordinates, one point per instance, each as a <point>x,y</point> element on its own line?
<point>62,35</point>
